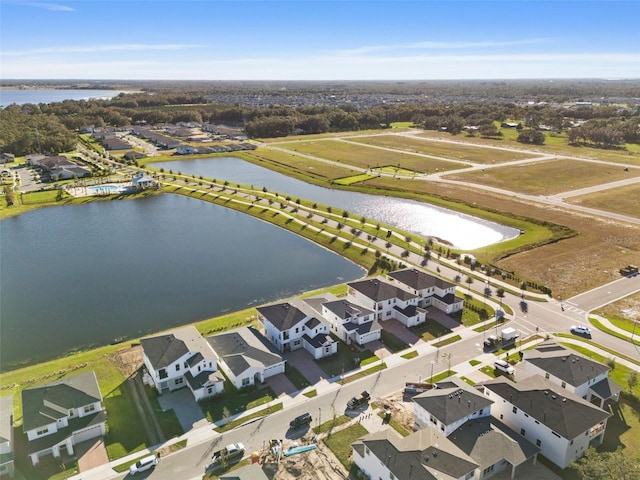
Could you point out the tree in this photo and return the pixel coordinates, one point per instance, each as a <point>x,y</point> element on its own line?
<point>469,281</point>
<point>632,380</point>
<point>607,465</point>
<point>500,294</point>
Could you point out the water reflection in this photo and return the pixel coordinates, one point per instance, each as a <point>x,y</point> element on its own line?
<point>462,231</point>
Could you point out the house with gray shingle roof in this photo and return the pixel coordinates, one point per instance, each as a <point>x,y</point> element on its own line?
<point>387,301</point>
<point>449,406</point>
<point>426,455</point>
<point>6,436</point>
<point>182,358</point>
<point>246,357</point>
<point>431,290</point>
<point>59,415</point>
<point>351,323</point>
<point>558,422</point>
<point>293,325</point>
<point>576,373</point>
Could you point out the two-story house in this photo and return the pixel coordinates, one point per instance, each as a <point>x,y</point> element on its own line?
<point>349,322</point>
<point>182,358</point>
<point>431,290</point>
<point>59,415</point>
<point>426,455</point>
<point>450,405</point>
<point>246,357</point>
<point>576,373</point>
<point>387,301</point>
<point>558,422</point>
<point>293,325</point>
<point>6,436</point>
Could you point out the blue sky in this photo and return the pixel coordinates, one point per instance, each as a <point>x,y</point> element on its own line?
<point>326,40</point>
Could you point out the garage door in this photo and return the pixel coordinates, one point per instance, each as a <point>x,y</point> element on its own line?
<point>87,434</point>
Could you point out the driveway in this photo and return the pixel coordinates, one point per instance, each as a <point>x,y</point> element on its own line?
<point>396,328</point>
<point>304,362</point>
<point>281,385</point>
<point>91,454</point>
<point>185,407</point>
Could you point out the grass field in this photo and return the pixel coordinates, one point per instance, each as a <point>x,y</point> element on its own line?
<point>548,177</point>
<point>622,200</point>
<point>453,151</point>
<point>369,157</point>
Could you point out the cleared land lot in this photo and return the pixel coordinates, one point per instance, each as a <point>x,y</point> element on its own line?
<point>625,200</point>
<point>547,177</point>
<point>366,157</point>
<point>470,153</point>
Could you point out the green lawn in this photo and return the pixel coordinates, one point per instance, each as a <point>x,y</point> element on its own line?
<point>328,426</point>
<point>345,360</point>
<point>294,375</point>
<point>235,402</point>
<point>430,330</point>
<point>392,342</point>
<point>340,443</point>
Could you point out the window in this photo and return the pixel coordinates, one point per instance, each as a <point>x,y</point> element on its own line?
<point>489,469</point>
<point>42,431</point>
<point>177,367</point>
<point>546,375</point>
<point>564,384</point>
<point>367,451</point>
<point>501,416</point>
<point>245,382</point>
<point>538,442</point>
<point>162,373</point>
<point>71,412</point>
<point>89,408</point>
<point>522,431</point>
<point>391,476</point>
<point>179,381</point>
<point>515,410</point>
<point>209,390</point>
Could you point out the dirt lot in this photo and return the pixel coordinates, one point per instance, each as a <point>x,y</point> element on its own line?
<point>128,360</point>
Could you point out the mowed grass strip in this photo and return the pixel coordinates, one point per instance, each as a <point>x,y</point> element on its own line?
<point>454,151</point>
<point>366,157</point>
<point>547,177</point>
<point>622,200</point>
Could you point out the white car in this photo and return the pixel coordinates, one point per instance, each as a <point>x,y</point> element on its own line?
<point>143,464</point>
<point>580,330</point>
<point>504,367</point>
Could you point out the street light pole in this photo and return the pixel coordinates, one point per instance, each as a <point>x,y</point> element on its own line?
<point>431,379</point>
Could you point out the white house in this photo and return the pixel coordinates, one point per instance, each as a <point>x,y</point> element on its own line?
<point>452,404</point>
<point>6,436</point>
<point>578,374</point>
<point>246,357</point>
<point>387,301</point>
<point>431,290</point>
<point>293,325</point>
<point>58,415</point>
<point>182,358</point>
<point>558,422</point>
<point>143,181</point>
<point>185,150</point>
<point>425,455</point>
<point>351,323</point>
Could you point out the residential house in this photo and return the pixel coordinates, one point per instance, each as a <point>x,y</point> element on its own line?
<point>115,143</point>
<point>558,422</point>
<point>426,455</point>
<point>186,150</point>
<point>6,436</point>
<point>387,300</point>
<point>7,157</point>
<point>59,415</point>
<point>293,325</point>
<point>143,181</point>
<point>246,357</point>
<point>431,290</point>
<point>449,406</point>
<point>576,373</point>
<point>351,323</point>
<point>182,358</point>
<point>134,155</point>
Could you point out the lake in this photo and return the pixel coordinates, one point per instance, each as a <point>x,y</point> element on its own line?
<point>35,96</point>
<point>79,276</point>
<point>462,231</point>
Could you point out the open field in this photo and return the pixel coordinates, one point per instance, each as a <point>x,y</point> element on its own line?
<point>547,177</point>
<point>554,144</point>
<point>619,200</point>
<point>469,153</point>
<point>369,157</point>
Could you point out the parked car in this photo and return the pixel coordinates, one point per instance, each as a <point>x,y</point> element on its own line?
<point>144,464</point>
<point>300,421</point>
<point>581,330</point>
<point>504,367</point>
<point>357,401</point>
<point>228,453</point>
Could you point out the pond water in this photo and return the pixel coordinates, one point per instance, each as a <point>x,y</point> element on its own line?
<point>462,231</point>
<point>79,276</point>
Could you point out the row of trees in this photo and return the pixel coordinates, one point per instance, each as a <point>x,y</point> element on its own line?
<point>606,133</point>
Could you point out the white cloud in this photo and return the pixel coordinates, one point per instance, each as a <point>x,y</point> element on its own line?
<point>64,50</point>
<point>49,6</point>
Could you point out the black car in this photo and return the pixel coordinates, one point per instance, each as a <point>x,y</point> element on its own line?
<point>300,421</point>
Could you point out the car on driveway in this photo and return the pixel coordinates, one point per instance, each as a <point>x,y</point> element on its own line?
<point>504,367</point>
<point>581,330</point>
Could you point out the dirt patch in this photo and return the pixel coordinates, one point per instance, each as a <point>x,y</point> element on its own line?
<point>128,360</point>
